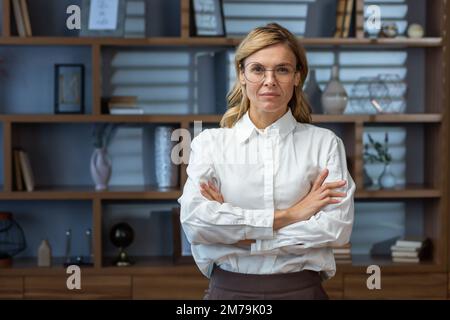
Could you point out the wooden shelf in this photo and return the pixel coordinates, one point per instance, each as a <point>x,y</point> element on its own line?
<point>213,118</point>
<point>409,191</point>
<point>199,41</point>
<point>152,193</point>
<point>361,262</point>
<point>89,193</point>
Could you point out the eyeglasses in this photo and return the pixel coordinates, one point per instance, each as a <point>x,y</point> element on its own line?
<point>255,72</point>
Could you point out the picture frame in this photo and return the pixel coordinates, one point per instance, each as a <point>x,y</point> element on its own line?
<point>103,18</point>
<point>69,88</point>
<point>209,18</point>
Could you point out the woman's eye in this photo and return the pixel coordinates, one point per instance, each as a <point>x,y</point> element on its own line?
<point>282,70</point>
<point>257,69</point>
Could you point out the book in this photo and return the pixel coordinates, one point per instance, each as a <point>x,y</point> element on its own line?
<point>408,260</point>
<point>347,18</point>
<point>405,254</point>
<point>27,172</point>
<point>126,111</point>
<point>26,18</point>
<point>19,18</point>
<point>340,15</point>
<point>408,249</point>
<point>412,242</point>
<point>17,170</point>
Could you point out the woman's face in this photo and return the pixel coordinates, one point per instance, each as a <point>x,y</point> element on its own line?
<point>275,90</point>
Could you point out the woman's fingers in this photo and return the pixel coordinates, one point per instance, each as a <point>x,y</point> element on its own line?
<point>334,185</point>
<point>211,192</point>
<point>215,192</point>
<point>204,190</point>
<point>320,179</point>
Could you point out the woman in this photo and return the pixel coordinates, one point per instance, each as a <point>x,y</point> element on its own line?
<point>267,194</point>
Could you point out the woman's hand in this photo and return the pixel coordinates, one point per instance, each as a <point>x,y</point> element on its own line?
<point>210,192</point>
<point>320,195</point>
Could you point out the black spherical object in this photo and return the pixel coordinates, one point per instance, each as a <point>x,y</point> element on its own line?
<point>121,235</point>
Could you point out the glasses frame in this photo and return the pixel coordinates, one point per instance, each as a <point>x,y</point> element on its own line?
<point>244,67</point>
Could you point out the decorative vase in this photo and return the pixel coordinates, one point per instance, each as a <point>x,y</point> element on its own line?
<point>374,172</point>
<point>387,179</point>
<point>44,254</point>
<point>334,98</point>
<point>166,170</point>
<point>100,168</point>
<point>314,93</point>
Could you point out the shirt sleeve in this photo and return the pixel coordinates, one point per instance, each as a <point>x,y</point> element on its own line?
<point>210,222</point>
<point>331,226</point>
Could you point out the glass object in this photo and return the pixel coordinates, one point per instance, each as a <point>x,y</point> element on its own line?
<point>256,72</point>
<point>387,179</point>
<point>12,239</point>
<point>334,98</point>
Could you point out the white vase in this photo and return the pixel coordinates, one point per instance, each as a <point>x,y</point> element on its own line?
<point>100,168</point>
<point>334,97</point>
<point>166,170</point>
<point>387,179</point>
<point>374,171</point>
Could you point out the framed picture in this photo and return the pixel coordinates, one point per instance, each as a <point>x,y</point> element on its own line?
<point>69,88</point>
<point>208,18</point>
<point>103,18</point>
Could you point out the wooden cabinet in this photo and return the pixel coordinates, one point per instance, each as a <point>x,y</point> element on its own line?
<point>92,287</point>
<point>11,287</point>
<point>398,286</point>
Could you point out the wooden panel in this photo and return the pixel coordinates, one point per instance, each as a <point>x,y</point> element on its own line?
<point>96,79</point>
<point>335,287</point>
<point>411,286</point>
<point>97,232</point>
<point>92,287</point>
<point>11,287</point>
<point>360,19</point>
<point>185,16</point>
<point>179,286</point>
<point>6,26</point>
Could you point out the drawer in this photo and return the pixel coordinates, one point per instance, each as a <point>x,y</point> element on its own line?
<point>92,287</point>
<point>181,286</point>
<point>398,286</point>
<point>11,287</point>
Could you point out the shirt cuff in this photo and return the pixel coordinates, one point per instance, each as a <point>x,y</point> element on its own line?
<point>259,224</point>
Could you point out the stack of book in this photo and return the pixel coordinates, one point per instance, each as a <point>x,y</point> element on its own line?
<point>343,254</point>
<point>124,105</point>
<point>23,174</point>
<point>135,19</point>
<point>411,250</point>
<point>344,14</point>
<point>22,18</point>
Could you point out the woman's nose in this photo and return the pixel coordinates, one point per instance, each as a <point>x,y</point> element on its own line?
<point>269,78</point>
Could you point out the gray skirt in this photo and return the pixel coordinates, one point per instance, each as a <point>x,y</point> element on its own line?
<point>302,285</point>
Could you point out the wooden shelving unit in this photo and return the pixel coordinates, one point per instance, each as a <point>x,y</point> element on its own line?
<point>146,278</point>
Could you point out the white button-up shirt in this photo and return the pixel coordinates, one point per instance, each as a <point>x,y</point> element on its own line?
<point>260,171</point>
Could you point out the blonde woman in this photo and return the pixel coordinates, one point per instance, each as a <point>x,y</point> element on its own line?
<point>268,193</point>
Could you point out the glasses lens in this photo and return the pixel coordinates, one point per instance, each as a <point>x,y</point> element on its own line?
<point>256,72</point>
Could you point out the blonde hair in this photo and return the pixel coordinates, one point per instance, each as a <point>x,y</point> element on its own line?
<point>257,39</point>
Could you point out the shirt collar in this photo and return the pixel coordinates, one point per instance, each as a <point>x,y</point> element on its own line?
<point>283,126</point>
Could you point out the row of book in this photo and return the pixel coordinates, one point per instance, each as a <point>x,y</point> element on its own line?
<point>344,14</point>
<point>22,18</point>
<point>124,105</point>
<point>411,250</point>
<point>23,174</point>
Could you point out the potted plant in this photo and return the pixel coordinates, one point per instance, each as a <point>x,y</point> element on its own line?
<point>386,179</point>
<point>100,161</point>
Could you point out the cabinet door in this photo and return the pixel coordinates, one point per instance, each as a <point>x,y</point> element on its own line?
<point>11,287</point>
<point>334,287</point>
<point>92,287</point>
<point>171,286</point>
<point>397,286</point>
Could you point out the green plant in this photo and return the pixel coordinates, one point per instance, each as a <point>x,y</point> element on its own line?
<point>382,151</point>
<point>103,133</point>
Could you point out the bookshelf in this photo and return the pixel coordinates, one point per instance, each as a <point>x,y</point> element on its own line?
<point>156,277</point>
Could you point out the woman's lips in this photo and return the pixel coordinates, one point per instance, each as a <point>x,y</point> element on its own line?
<point>269,94</point>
